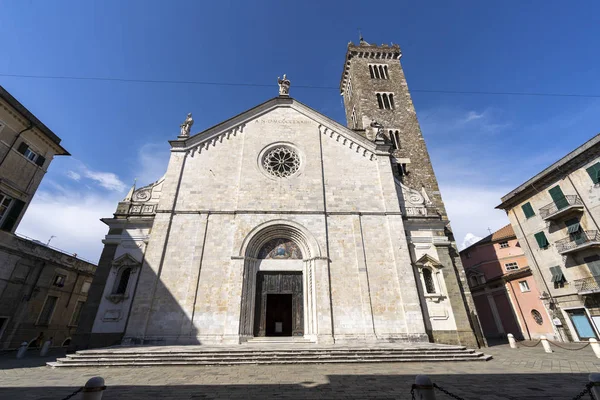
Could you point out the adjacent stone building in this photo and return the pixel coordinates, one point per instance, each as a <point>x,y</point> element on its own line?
<point>555,216</point>
<point>42,289</point>
<point>505,293</point>
<point>282,222</point>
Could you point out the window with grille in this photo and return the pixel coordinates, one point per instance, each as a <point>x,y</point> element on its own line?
<point>378,71</point>
<point>511,266</point>
<point>385,101</point>
<point>428,278</point>
<point>47,310</point>
<point>504,245</point>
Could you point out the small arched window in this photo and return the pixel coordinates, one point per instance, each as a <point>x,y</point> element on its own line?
<point>392,101</point>
<point>386,101</point>
<point>123,281</point>
<point>379,101</point>
<point>428,278</point>
<point>371,72</point>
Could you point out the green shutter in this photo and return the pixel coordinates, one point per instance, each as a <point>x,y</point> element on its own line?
<point>557,275</point>
<point>558,197</point>
<point>594,172</point>
<point>593,264</point>
<point>528,210</point>
<point>22,148</point>
<point>541,240</point>
<point>572,225</point>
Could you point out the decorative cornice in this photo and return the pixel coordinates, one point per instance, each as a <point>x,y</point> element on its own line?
<point>348,142</point>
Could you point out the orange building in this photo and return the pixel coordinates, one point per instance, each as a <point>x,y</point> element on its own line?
<point>505,294</point>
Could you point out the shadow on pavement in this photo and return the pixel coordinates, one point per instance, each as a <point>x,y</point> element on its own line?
<point>471,386</point>
<point>32,358</point>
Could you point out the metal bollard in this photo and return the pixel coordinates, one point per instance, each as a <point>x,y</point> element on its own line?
<point>595,379</point>
<point>94,388</point>
<point>423,388</point>
<point>512,341</point>
<point>45,348</point>
<point>546,345</point>
<point>595,346</point>
<point>22,350</point>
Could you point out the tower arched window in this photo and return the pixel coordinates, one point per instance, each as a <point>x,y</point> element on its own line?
<point>386,101</point>
<point>371,72</point>
<point>428,278</point>
<point>392,101</point>
<point>123,281</point>
<point>396,140</point>
<point>379,101</point>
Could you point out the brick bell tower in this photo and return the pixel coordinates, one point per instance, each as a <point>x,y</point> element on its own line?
<point>374,89</point>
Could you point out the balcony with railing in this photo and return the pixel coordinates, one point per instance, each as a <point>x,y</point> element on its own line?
<point>588,285</point>
<point>560,208</point>
<point>578,241</point>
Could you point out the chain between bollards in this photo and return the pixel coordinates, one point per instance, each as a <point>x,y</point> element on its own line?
<point>73,394</point>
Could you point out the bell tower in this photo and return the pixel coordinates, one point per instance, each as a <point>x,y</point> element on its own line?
<point>374,89</point>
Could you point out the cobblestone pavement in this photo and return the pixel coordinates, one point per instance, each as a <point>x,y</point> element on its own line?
<point>525,373</point>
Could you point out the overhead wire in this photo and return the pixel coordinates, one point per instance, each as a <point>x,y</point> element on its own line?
<point>193,82</point>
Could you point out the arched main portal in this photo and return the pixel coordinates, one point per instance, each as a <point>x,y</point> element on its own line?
<point>278,291</point>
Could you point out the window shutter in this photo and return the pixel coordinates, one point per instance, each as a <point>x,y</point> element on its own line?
<point>13,215</point>
<point>572,225</point>
<point>40,161</point>
<point>528,210</point>
<point>593,172</point>
<point>22,148</point>
<point>558,197</point>
<point>541,240</point>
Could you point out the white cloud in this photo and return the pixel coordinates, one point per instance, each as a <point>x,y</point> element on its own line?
<point>74,175</point>
<point>107,180</point>
<point>469,240</point>
<point>471,209</point>
<point>152,162</point>
<point>472,115</point>
<point>72,217</point>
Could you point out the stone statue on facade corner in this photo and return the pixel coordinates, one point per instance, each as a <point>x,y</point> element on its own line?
<point>284,86</point>
<point>187,125</point>
<point>380,135</point>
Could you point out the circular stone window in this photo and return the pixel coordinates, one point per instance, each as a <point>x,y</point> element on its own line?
<point>281,161</point>
<point>537,317</point>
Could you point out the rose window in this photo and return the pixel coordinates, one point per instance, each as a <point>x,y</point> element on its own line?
<point>281,162</point>
<point>537,317</point>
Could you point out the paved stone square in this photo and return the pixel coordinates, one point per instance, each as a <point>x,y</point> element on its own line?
<point>526,373</point>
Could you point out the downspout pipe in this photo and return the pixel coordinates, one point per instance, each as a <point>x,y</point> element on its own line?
<point>31,126</point>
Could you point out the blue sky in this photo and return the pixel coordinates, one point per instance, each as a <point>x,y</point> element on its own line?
<point>482,146</point>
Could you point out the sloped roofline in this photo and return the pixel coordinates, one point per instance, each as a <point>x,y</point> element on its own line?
<point>14,103</point>
<point>512,198</point>
<point>261,109</point>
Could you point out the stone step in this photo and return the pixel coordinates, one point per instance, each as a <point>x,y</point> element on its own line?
<point>258,357</point>
<point>250,362</point>
<point>270,351</point>
<point>265,353</point>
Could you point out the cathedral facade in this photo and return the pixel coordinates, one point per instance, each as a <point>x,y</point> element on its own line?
<point>283,222</point>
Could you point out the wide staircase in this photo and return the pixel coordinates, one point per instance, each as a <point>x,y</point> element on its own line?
<point>267,352</point>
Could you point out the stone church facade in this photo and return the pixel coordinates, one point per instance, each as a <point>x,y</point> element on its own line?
<point>282,222</point>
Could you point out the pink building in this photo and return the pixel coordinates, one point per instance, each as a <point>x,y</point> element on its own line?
<point>505,294</point>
